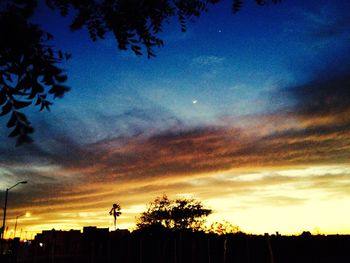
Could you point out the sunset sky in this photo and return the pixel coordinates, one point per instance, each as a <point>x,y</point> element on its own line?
<point>249,113</point>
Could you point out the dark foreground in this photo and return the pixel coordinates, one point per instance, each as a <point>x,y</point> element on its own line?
<point>100,245</point>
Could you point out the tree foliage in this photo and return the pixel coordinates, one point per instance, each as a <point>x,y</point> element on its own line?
<point>28,68</point>
<point>175,214</point>
<point>223,228</point>
<point>30,74</point>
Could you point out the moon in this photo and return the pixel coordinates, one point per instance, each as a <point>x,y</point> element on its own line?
<point>194,101</point>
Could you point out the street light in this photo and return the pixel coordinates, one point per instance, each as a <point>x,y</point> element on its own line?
<point>4,219</point>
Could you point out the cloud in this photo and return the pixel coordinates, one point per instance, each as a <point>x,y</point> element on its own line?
<point>207,61</point>
<point>152,154</point>
<point>323,97</point>
<point>186,152</point>
<point>321,28</point>
<point>329,22</point>
<point>209,161</point>
<point>314,131</point>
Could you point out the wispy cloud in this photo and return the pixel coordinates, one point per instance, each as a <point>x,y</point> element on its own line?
<point>329,22</point>
<point>316,132</point>
<point>207,61</point>
<point>322,27</point>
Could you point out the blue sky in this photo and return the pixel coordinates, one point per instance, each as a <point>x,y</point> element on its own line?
<point>230,64</point>
<point>269,130</point>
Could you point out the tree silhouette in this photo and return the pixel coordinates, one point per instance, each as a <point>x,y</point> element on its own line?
<point>29,67</point>
<point>174,214</point>
<point>223,228</point>
<point>115,211</point>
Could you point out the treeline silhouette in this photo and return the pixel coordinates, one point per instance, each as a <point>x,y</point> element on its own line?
<point>183,246</point>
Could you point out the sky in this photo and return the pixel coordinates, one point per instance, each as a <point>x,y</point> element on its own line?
<point>248,113</point>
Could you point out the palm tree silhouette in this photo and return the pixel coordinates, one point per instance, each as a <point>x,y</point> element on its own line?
<point>115,211</point>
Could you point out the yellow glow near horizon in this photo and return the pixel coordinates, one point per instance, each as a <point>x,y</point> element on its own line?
<point>286,199</point>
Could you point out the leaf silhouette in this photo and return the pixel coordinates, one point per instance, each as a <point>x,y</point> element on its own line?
<point>6,109</point>
<point>237,5</point>
<point>3,97</point>
<point>12,121</point>
<point>21,104</point>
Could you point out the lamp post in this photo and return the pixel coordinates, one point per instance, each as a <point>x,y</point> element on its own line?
<point>4,219</point>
